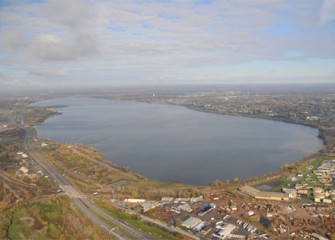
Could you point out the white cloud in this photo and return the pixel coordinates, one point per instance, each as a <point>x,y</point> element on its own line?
<point>12,41</point>
<point>52,47</point>
<point>141,40</point>
<point>49,74</point>
<point>74,14</point>
<point>327,11</point>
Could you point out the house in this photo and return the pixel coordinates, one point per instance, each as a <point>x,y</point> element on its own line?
<point>24,170</point>
<point>302,192</point>
<point>292,193</point>
<point>233,207</point>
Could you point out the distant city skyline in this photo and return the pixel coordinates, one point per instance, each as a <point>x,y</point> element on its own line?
<point>69,43</point>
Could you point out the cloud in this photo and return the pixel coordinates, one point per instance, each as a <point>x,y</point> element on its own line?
<point>55,30</point>
<point>2,76</point>
<point>327,11</point>
<point>141,41</point>
<point>73,35</point>
<point>12,41</point>
<point>73,14</point>
<point>49,74</point>
<point>52,47</point>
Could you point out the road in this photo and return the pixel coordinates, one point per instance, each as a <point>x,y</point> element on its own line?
<point>91,211</point>
<point>144,218</point>
<point>163,225</point>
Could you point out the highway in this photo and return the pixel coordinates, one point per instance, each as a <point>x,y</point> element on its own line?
<point>92,212</point>
<point>144,218</point>
<point>164,226</point>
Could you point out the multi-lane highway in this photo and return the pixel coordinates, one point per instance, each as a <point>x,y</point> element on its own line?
<point>144,218</point>
<point>92,212</point>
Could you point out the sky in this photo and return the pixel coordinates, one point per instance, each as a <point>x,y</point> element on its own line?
<point>79,43</point>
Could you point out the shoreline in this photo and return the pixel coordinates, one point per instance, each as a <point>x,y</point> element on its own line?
<point>263,118</point>
<point>252,179</point>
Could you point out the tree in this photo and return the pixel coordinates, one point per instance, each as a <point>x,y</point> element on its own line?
<point>217,183</point>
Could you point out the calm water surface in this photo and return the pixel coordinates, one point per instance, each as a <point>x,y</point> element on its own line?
<point>176,144</point>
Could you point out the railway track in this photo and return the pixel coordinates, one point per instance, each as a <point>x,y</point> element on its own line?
<point>10,180</point>
<point>92,212</point>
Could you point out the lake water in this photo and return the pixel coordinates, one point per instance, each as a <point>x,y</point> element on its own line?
<point>176,144</point>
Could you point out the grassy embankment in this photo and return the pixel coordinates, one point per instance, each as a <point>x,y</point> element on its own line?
<point>90,172</point>
<point>51,217</point>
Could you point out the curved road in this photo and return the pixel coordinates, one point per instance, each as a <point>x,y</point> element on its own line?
<point>91,211</point>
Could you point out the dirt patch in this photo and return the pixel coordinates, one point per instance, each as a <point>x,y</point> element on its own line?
<point>3,205</point>
<point>43,231</point>
<point>301,213</point>
<point>27,221</point>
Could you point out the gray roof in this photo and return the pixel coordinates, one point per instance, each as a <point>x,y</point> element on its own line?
<point>191,222</point>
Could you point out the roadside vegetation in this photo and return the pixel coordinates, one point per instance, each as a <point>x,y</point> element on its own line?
<point>49,217</point>
<point>92,173</point>
<point>136,222</point>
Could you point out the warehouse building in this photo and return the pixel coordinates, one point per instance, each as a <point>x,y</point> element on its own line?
<point>193,223</point>
<point>255,193</point>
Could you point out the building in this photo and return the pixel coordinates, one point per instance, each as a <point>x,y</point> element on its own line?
<point>318,236</point>
<point>196,199</point>
<point>255,193</point>
<point>233,207</point>
<point>225,232</point>
<point>302,192</point>
<point>326,171</point>
<point>184,207</point>
<point>149,205</point>
<point>167,199</point>
<point>250,213</point>
<point>292,193</point>
<point>199,227</point>
<point>134,200</point>
<point>192,222</point>
<point>24,170</point>
<point>318,194</point>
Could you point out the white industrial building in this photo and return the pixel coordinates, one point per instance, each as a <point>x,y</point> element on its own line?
<point>193,223</point>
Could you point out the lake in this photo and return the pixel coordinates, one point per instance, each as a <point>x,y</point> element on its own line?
<point>176,144</point>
